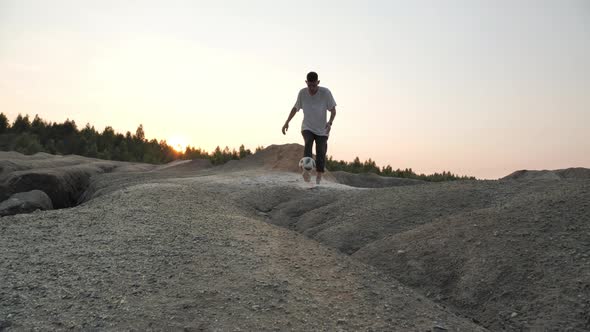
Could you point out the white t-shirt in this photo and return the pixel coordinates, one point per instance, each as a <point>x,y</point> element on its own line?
<point>315,109</point>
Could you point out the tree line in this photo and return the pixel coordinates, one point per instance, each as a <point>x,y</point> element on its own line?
<point>370,166</point>
<point>29,137</point>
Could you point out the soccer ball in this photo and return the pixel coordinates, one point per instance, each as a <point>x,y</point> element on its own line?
<point>307,164</point>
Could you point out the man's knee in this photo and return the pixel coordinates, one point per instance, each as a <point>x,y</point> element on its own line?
<point>322,144</point>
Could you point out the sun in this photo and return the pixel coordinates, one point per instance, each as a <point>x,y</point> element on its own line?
<point>178,143</point>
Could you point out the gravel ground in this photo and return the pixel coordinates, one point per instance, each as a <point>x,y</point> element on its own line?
<point>249,246</point>
<point>154,251</point>
<point>511,255</point>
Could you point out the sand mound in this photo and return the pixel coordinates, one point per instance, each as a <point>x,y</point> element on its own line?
<point>352,220</point>
<point>574,173</point>
<point>63,185</point>
<point>520,265</point>
<point>63,178</point>
<point>568,173</point>
<point>275,157</point>
<point>371,180</point>
<point>194,165</point>
<point>286,158</point>
<point>14,161</point>
<point>505,253</point>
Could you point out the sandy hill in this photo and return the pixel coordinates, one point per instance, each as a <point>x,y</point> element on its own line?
<point>568,173</point>
<point>65,179</point>
<point>250,246</point>
<point>274,157</point>
<point>286,158</point>
<point>503,253</point>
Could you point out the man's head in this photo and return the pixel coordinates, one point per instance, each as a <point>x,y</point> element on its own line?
<point>312,82</point>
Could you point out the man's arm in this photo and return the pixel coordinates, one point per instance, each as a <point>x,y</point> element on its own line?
<point>332,116</point>
<point>291,115</point>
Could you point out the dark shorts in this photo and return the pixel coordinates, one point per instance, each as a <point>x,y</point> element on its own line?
<point>321,147</point>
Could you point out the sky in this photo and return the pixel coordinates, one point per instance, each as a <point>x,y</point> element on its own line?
<point>479,88</point>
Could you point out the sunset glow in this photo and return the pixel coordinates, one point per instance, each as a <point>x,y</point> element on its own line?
<point>178,143</point>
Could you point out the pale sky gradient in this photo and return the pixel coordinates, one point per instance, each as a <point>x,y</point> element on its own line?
<point>474,87</point>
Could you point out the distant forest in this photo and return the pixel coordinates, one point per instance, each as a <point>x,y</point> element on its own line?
<point>29,137</point>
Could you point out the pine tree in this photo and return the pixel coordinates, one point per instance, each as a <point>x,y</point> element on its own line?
<point>21,124</point>
<point>4,124</point>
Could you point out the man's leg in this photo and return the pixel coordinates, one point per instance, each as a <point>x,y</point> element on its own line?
<point>321,147</point>
<point>308,138</point>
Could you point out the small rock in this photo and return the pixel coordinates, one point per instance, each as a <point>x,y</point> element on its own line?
<point>514,314</point>
<point>438,328</point>
<point>25,202</point>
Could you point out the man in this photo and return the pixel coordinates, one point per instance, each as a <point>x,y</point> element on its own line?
<point>315,101</point>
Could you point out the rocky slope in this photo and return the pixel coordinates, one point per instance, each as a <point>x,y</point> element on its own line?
<point>250,246</point>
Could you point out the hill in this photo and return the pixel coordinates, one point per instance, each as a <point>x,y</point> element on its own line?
<point>249,245</point>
